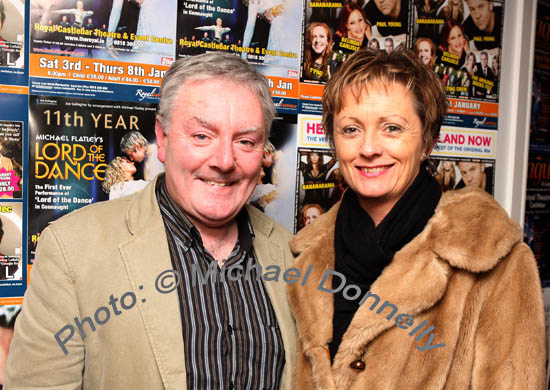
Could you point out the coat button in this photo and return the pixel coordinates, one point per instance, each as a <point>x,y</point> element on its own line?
<point>358,365</point>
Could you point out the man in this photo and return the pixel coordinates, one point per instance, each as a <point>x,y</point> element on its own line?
<point>389,16</point>
<point>138,149</point>
<point>388,45</point>
<point>484,77</point>
<point>484,25</point>
<point>214,116</point>
<point>475,174</point>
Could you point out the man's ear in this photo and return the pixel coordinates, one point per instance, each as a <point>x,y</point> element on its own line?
<point>161,140</point>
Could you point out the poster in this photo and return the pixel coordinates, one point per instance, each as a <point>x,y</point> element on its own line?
<point>537,209</point>
<point>11,159</point>
<point>453,173</point>
<point>461,41</point>
<point>101,49</point>
<point>260,31</point>
<point>12,33</point>
<point>463,142</point>
<point>11,248</point>
<point>126,31</point>
<point>76,156</point>
<point>274,194</point>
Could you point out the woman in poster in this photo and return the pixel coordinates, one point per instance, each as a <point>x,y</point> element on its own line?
<point>353,30</point>
<point>453,10</point>
<point>119,178</point>
<point>446,175</point>
<point>453,46</point>
<point>426,10</point>
<point>401,276</point>
<point>425,50</point>
<point>318,44</point>
<point>314,173</point>
<point>470,68</point>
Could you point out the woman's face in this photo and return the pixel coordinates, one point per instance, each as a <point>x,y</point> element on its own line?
<point>447,165</point>
<point>425,52</point>
<point>495,63</point>
<point>471,61</point>
<point>356,25</point>
<point>128,167</point>
<point>456,41</point>
<point>373,44</point>
<point>314,157</point>
<point>319,39</point>
<point>378,140</point>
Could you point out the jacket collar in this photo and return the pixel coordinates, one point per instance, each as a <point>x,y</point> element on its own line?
<point>468,231</point>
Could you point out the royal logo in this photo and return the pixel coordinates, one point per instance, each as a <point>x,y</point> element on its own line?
<point>478,123</point>
<point>147,95</point>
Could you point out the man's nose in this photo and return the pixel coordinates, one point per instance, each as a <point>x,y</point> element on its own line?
<point>223,156</point>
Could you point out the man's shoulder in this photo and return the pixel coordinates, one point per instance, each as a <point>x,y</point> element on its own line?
<point>101,214</point>
<point>265,225</point>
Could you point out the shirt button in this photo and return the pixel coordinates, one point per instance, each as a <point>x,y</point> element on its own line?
<point>229,328</point>
<point>231,386</point>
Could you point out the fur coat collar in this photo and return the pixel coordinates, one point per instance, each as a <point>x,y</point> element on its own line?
<point>465,240</point>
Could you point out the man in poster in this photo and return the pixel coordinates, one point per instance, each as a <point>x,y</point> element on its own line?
<point>389,16</point>
<point>93,266</point>
<point>485,77</point>
<point>483,26</point>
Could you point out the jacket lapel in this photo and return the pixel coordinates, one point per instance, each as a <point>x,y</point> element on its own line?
<point>270,253</point>
<point>146,256</point>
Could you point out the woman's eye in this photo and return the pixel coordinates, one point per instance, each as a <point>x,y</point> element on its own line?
<point>393,128</point>
<point>349,130</point>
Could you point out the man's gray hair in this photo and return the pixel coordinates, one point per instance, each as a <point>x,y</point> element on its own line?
<point>132,139</point>
<point>213,65</point>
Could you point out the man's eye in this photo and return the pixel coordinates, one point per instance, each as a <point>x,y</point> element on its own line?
<point>200,137</point>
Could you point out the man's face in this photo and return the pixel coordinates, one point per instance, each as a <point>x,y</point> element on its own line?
<point>137,154</point>
<point>482,13</point>
<point>214,149</point>
<point>386,6</point>
<point>472,173</point>
<point>388,45</point>
<point>484,60</point>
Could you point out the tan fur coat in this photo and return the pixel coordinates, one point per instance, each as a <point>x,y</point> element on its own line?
<point>468,275</point>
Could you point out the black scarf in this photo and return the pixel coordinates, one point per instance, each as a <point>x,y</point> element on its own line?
<point>362,251</point>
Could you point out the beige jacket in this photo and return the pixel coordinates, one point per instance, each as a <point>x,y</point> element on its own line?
<point>468,274</point>
<point>112,248</point>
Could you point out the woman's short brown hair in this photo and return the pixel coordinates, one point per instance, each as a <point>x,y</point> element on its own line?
<point>371,66</point>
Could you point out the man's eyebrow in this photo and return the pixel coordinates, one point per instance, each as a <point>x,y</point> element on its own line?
<point>205,123</point>
<point>211,126</point>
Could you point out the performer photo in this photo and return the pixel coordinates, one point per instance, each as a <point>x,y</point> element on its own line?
<point>218,29</point>
<point>136,147</point>
<point>318,44</point>
<point>484,25</point>
<point>119,178</point>
<point>409,288</point>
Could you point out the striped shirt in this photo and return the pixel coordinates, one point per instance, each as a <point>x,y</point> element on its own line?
<point>230,333</point>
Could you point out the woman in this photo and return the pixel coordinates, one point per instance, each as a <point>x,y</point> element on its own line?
<point>374,44</point>
<point>495,66</point>
<point>119,178</point>
<point>318,43</point>
<point>315,173</point>
<point>470,68</point>
<point>425,50</point>
<point>453,10</point>
<point>427,12</point>
<point>446,176</point>
<point>453,46</point>
<point>353,30</point>
<point>453,266</point>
